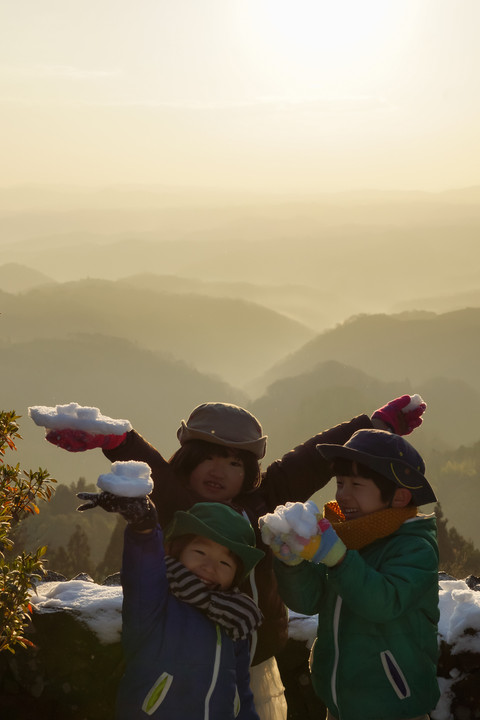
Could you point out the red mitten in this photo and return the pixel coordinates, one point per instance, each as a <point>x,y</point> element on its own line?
<point>403,414</point>
<point>80,440</point>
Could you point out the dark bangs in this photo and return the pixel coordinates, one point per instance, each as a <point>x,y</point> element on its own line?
<point>350,468</point>
<point>194,452</point>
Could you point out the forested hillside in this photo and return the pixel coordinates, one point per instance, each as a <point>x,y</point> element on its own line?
<point>153,391</point>
<point>145,304</point>
<point>193,328</point>
<point>419,346</point>
<point>150,356</point>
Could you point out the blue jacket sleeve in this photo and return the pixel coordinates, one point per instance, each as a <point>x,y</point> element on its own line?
<point>144,582</point>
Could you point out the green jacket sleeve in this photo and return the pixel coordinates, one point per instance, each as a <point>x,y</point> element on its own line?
<point>301,586</point>
<point>395,583</point>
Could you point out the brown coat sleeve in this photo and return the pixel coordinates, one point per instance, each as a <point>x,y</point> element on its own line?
<point>303,471</point>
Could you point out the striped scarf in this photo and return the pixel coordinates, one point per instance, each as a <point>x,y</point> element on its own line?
<point>233,610</point>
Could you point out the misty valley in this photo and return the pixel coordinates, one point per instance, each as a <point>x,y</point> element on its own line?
<point>374,299</point>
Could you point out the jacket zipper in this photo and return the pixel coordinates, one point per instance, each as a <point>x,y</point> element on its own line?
<point>336,623</point>
<point>253,586</point>
<point>216,665</point>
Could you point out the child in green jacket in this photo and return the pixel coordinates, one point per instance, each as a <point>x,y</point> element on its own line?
<point>369,568</point>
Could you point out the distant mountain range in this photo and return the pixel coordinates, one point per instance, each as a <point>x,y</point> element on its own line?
<point>231,338</point>
<point>309,305</point>
<point>16,278</point>
<point>416,346</point>
<point>357,252</point>
<point>64,343</point>
<point>123,380</point>
<point>306,310</point>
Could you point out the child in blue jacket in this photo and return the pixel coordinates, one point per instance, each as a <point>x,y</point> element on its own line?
<point>186,627</point>
<point>369,568</point>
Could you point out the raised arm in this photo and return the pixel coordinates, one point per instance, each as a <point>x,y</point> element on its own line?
<point>302,471</point>
<point>76,428</point>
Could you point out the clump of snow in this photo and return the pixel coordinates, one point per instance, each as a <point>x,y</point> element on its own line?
<point>415,401</point>
<point>302,627</point>
<point>443,709</point>
<point>77,417</point>
<point>459,611</point>
<point>97,606</point>
<point>300,517</point>
<point>127,479</point>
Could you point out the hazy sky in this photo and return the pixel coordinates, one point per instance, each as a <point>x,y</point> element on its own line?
<point>290,95</point>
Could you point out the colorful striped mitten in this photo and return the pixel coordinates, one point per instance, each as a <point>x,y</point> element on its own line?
<point>297,531</point>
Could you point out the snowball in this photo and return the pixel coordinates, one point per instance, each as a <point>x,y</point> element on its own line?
<point>299,517</point>
<point>459,615</point>
<point>127,479</point>
<point>77,417</point>
<point>415,401</point>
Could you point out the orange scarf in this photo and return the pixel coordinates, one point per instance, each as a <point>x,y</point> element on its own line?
<point>364,530</point>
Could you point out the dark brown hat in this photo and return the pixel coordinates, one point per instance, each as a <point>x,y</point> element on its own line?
<point>224,424</point>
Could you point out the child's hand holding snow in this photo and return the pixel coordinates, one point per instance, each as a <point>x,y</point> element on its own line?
<point>125,492</point>
<point>76,428</point>
<point>297,531</point>
<point>403,414</point>
<point>291,531</point>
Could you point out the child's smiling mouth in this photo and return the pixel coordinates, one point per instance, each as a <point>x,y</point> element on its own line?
<point>349,512</point>
<point>214,485</point>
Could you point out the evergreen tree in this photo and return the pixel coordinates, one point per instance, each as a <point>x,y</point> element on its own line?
<point>59,562</point>
<point>53,528</point>
<point>79,551</point>
<point>112,560</point>
<point>20,491</point>
<point>73,559</point>
<point>458,556</point>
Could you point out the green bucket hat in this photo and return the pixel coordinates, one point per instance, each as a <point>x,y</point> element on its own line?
<point>221,524</point>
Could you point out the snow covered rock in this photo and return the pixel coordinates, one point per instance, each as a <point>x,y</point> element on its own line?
<point>73,670</point>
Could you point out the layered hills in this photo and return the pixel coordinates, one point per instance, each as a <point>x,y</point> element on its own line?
<point>150,356</point>
<point>307,311</point>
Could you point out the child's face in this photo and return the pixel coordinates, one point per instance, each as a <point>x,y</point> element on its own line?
<point>358,496</point>
<point>211,562</point>
<point>217,478</point>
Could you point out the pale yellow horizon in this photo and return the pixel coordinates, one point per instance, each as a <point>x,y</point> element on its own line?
<point>260,95</point>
